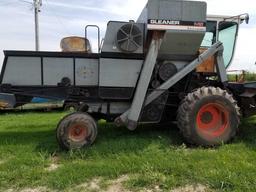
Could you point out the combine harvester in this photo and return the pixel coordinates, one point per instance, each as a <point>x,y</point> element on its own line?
<point>169,65</point>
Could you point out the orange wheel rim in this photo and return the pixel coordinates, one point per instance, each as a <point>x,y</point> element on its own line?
<point>212,119</point>
<point>77,132</point>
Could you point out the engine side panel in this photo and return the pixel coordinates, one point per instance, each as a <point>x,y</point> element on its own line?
<point>87,72</point>
<point>22,71</point>
<point>119,72</point>
<point>55,69</point>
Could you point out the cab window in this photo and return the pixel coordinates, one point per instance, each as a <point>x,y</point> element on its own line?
<point>227,35</point>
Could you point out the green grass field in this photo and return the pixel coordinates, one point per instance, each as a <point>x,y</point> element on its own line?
<point>150,158</point>
<point>247,77</point>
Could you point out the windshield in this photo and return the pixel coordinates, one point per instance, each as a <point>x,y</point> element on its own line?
<point>227,35</point>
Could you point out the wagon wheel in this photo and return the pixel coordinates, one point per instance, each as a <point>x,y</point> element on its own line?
<point>76,130</point>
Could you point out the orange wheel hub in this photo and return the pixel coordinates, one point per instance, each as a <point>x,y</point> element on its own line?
<point>77,132</point>
<point>212,119</point>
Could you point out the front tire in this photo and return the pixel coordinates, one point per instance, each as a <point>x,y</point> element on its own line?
<point>208,116</point>
<point>76,131</point>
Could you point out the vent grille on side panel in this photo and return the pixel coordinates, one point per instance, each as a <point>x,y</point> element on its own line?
<point>129,38</point>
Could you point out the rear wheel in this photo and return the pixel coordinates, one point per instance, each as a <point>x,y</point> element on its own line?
<point>71,106</point>
<point>76,131</point>
<point>208,116</point>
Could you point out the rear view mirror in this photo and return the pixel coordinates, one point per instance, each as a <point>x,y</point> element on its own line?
<point>247,18</point>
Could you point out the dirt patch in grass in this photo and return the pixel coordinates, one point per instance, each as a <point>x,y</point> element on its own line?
<point>117,185</point>
<point>93,185</point>
<point>192,188</point>
<point>52,167</point>
<point>97,185</point>
<point>54,164</point>
<point>38,189</point>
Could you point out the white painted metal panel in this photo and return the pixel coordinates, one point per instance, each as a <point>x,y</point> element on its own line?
<point>23,71</point>
<point>119,72</point>
<point>87,72</point>
<point>57,68</point>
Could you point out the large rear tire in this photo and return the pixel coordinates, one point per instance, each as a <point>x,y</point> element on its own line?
<point>76,131</point>
<point>208,116</point>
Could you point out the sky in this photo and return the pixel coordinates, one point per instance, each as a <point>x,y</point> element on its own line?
<point>61,18</point>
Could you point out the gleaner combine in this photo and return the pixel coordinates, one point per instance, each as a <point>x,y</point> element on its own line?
<point>168,65</point>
